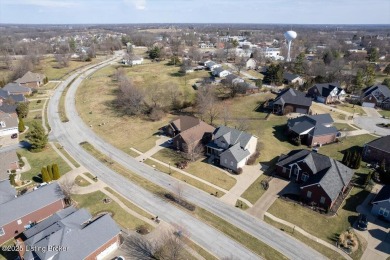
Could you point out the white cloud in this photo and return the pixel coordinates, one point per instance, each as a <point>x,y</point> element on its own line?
<point>138,4</point>
<point>43,3</point>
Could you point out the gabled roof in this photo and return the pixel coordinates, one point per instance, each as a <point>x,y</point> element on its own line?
<point>292,96</point>
<point>73,229</point>
<point>237,152</point>
<point>15,88</point>
<point>196,132</point>
<point>324,89</point>
<point>382,143</point>
<point>382,88</point>
<point>29,202</point>
<point>6,158</point>
<point>317,124</point>
<point>330,174</point>
<point>383,194</point>
<point>232,136</point>
<point>8,109</point>
<point>30,77</point>
<point>7,192</point>
<point>7,95</point>
<point>9,121</point>
<point>218,70</point>
<point>183,123</point>
<point>289,76</point>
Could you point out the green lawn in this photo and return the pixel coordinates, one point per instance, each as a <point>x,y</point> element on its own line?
<point>199,169</point>
<point>241,205</point>
<point>80,181</point>
<point>385,113</point>
<point>255,191</point>
<point>36,104</point>
<point>65,153</point>
<point>49,86</point>
<point>326,228</point>
<point>42,159</point>
<point>90,176</point>
<point>353,109</point>
<point>93,202</point>
<point>343,127</point>
<point>331,254</point>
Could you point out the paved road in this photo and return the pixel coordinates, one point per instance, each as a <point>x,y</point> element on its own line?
<point>70,134</point>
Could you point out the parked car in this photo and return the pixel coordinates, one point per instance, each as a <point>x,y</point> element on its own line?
<point>119,258</point>
<point>362,222</point>
<point>40,185</point>
<point>13,136</point>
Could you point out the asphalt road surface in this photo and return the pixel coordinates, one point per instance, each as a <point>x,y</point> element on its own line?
<point>70,134</point>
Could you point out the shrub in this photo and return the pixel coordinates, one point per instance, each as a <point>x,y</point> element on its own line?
<point>239,171</point>
<point>12,179</point>
<point>143,230</point>
<point>179,201</point>
<point>39,101</point>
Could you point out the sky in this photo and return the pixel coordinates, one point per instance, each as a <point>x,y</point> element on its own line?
<point>195,11</point>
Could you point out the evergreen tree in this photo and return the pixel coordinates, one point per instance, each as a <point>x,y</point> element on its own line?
<point>56,172</point>
<point>37,137</point>
<point>45,175</point>
<point>155,53</point>
<point>21,126</point>
<point>347,157</point>
<point>386,82</point>
<point>359,80</point>
<point>369,75</point>
<point>50,171</point>
<point>298,64</point>
<point>22,109</point>
<point>387,69</point>
<point>358,161</point>
<point>373,54</point>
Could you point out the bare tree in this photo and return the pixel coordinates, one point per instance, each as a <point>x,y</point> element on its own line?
<point>155,95</point>
<point>173,93</point>
<point>19,70</point>
<point>66,186</point>
<point>172,248</point>
<point>194,54</point>
<point>62,60</point>
<point>139,248</point>
<point>207,103</point>
<point>242,124</point>
<point>240,63</point>
<point>130,99</point>
<point>225,114</point>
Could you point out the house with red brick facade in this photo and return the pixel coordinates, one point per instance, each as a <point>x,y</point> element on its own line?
<point>377,151</point>
<point>18,212</point>
<point>289,101</point>
<point>75,233</point>
<point>376,96</point>
<point>31,80</point>
<point>327,93</point>
<point>321,179</point>
<point>313,130</point>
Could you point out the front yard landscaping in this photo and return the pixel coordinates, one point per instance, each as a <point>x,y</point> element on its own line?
<point>343,127</point>
<point>256,190</point>
<point>93,202</point>
<point>385,113</point>
<point>80,181</point>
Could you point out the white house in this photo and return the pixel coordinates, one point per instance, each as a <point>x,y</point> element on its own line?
<point>211,65</point>
<point>8,125</point>
<point>134,60</point>
<point>220,72</point>
<point>251,64</point>
<point>273,53</point>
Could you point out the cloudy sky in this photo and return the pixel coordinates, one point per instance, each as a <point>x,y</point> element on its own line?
<point>195,11</point>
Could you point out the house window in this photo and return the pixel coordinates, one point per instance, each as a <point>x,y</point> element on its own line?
<point>308,194</point>
<point>322,200</point>
<point>19,221</point>
<point>384,212</point>
<point>304,177</point>
<point>2,233</point>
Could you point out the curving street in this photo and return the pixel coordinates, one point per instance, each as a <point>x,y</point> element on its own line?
<point>70,134</point>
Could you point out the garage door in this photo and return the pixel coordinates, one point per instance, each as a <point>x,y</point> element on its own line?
<point>321,99</point>
<point>301,110</point>
<point>108,251</point>
<point>367,104</point>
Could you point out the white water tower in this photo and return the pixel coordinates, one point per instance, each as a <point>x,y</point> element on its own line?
<point>290,36</point>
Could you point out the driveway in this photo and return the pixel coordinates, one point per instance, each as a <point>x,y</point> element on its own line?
<point>377,233</point>
<point>371,112</point>
<point>370,124</point>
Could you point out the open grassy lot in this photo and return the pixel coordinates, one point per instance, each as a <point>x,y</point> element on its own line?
<point>180,176</point>
<point>343,127</point>
<point>36,104</point>
<point>42,159</point>
<point>326,228</point>
<point>93,202</point>
<point>385,113</point>
<point>129,204</point>
<point>90,176</point>
<point>255,74</point>
<point>199,169</point>
<point>65,153</point>
<point>318,109</point>
<point>331,254</point>
<point>49,86</point>
<point>80,181</point>
<point>255,191</point>
<point>353,109</point>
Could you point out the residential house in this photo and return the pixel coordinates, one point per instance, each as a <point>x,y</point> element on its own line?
<point>31,207</point>
<point>313,130</point>
<point>327,93</point>
<point>83,236</point>
<point>189,133</point>
<point>381,203</point>
<point>8,126</point>
<point>220,72</point>
<point>6,97</point>
<point>376,96</point>
<point>32,80</point>
<point>8,109</point>
<point>272,53</point>
<point>133,60</point>
<point>232,79</point>
<point>291,100</point>
<point>251,64</point>
<point>290,78</point>
<point>231,148</point>
<point>247,88</point>
<point>16,88</point>
<point>377,151</point>
<point>211,65</point>
<point>9,162</point>
<point>321,179</point>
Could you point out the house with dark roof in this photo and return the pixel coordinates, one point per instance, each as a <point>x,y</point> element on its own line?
<point>31,80</point>
<point>321,179</point>
<point>9,161</point>
<point>376,96</point>
<point>8,109</point>
<point>327,93</point>
<point>211,65</point>
<point>189,133</point>
<point>16,88</point>
<point>290,78</point>
<point>381,203</point>
<point>75,231</point>
<point>291,100</point>
<point>220,72</point>
<point>241,85</point>
<point>231,148</point>
<point>6,97</point>
<point>313,130</point>
<point>8,127</point>
<point>31,207</point>
<point>377,151</point>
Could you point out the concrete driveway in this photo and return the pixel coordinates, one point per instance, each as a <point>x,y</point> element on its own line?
<point>370,124</point>
<point>371,112</point>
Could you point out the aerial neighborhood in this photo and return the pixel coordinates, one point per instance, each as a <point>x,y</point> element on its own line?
<point>194,141</point>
